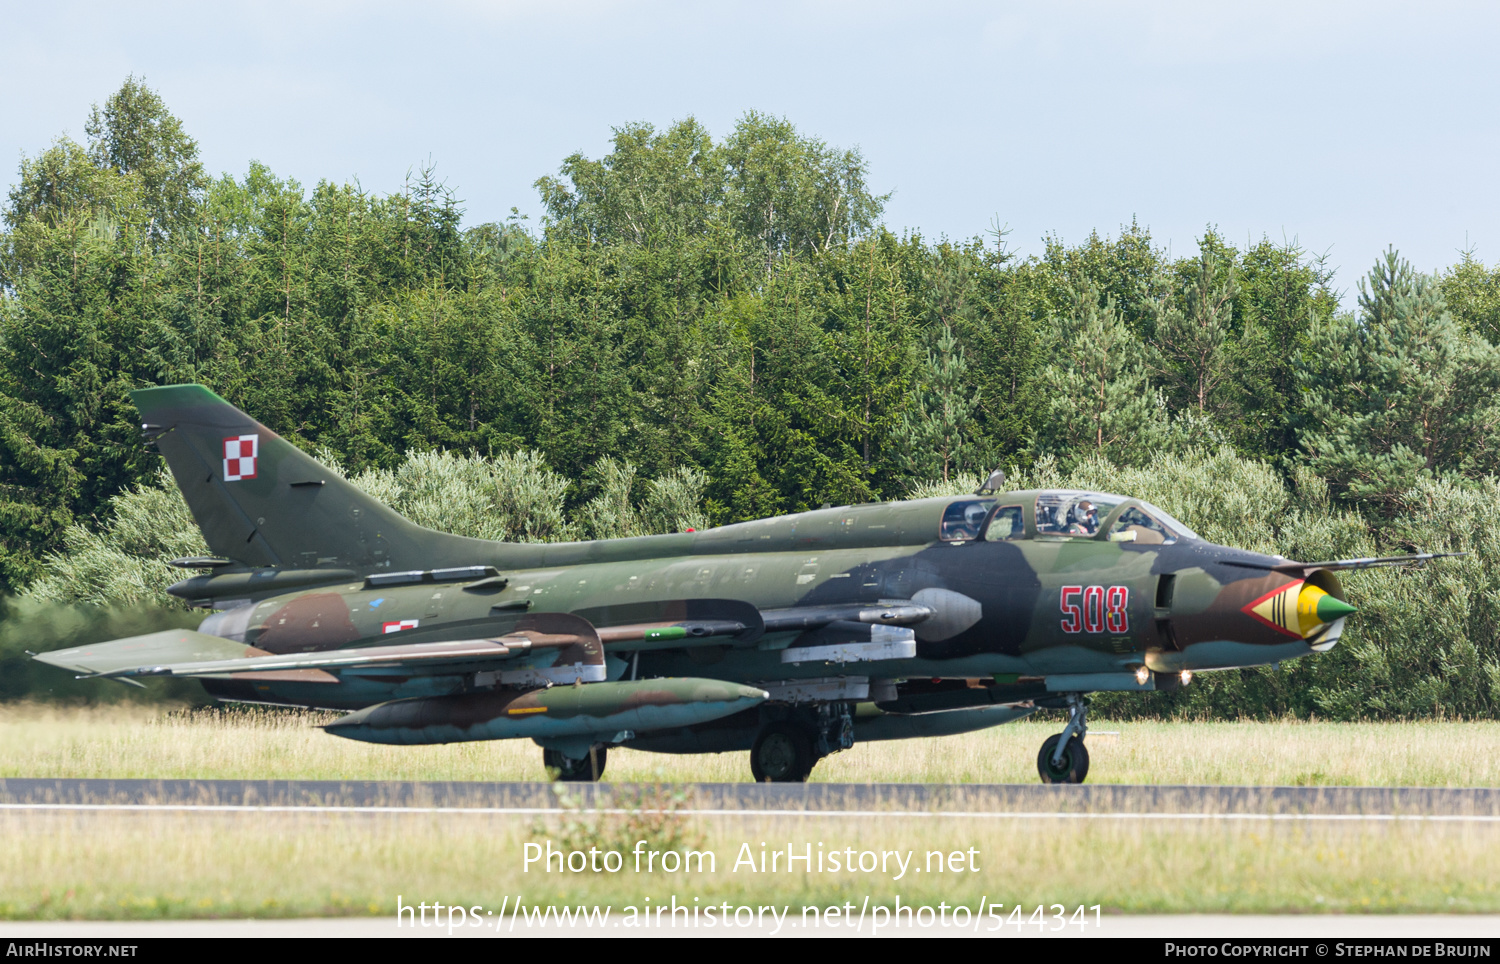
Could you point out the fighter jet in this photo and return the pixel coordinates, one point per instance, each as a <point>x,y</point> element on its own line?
<point>791,637</point>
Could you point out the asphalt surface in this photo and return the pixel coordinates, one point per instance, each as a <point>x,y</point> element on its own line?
<point>1479,803</point>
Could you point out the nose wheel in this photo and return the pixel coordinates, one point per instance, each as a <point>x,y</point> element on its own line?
<point>1063,757</point>
<point>1071,768</point>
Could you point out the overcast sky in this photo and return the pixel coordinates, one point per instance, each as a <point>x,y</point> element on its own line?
<point>1347,127</point>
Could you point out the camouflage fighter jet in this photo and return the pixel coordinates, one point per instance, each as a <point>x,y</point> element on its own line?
<point>792,637</point>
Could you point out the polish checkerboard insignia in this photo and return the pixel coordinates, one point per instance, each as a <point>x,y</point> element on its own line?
<point>399,625</point>
<point>240,455</point>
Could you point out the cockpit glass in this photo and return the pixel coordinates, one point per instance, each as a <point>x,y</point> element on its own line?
<point>1135,525</point>
<point>1006,525</point>
<point>1182,531</point>
<point>1072,513</point>
<point>962,519</point>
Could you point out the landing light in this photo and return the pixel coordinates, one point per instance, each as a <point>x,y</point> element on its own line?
<point>1187,677</point>
<point>1141,675</point>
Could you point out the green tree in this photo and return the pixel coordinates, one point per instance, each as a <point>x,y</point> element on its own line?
<point>134,135</point>
<point>934,434</point>
<point>792,193</point>
<point>1193,325</point>
<point>1401,392</point>
<point>1127,270</point>
<point>786,426</point>
<point>38,490</point>
<point>64,183</point>
<point>1100,398</point>
<point>1472,293</point>
<point>1281,294</point>
<point>651,189</point>
<point>75,336</point>
<point>772,187</point>
<point>994,309</point>
<point>870,319</point>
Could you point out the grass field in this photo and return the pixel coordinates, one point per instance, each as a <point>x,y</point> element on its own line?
<point>155,864</point>
<point>60,865</point>
<point>42,741</point>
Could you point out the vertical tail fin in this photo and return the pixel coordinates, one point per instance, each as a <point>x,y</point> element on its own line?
<point>261,501</point>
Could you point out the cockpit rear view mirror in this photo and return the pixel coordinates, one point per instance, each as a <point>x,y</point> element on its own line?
<point>992,484</point>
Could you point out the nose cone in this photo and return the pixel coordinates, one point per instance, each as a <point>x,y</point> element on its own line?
<point>1316,607</point>
<point>1298,609</point>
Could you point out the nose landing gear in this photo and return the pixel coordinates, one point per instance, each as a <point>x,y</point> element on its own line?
<point>1064,758</point>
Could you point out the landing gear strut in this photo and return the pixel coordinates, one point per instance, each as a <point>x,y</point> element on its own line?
<point>561,768</point>
<point>786,750</point>
<point>1064,758</point>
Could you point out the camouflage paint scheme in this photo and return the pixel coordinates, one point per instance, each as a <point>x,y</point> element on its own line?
<point>327,598</point>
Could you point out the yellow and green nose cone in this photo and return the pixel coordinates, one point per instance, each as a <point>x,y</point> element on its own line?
<point>1315,607</point>
<point>1298,609</point>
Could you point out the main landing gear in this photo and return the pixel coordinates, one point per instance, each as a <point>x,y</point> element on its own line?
<point>1064,758</point>
<point>564,769</point>
<point>782,754</point>
<point>786,750</point>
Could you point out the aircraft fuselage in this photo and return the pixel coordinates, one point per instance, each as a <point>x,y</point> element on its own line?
<point>1020,611</point>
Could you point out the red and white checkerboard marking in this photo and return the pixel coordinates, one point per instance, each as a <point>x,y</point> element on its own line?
<point>240,454</point>
<point>396,627</point>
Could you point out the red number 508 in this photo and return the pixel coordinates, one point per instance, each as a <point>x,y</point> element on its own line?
<point>1095,609</point>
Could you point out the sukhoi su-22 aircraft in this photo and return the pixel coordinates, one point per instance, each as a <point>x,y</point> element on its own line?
<point>793,637</point>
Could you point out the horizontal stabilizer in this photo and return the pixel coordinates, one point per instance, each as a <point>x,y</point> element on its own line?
<point>459,651</point>
<point>571,637</point>
<point>169,646</point>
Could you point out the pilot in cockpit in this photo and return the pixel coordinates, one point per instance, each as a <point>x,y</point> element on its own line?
<point>974,514</point>
<point>1087,517</point>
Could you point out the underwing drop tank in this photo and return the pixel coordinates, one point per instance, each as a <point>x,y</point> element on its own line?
<point>588,710</point>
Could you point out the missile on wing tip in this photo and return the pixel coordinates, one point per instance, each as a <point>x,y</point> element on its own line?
<point>559,711</point>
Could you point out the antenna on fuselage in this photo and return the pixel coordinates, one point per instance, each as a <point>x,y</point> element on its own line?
<point>991,484</point>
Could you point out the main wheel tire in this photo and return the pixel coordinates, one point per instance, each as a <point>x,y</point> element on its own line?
<point>565,769</point>
<point>1073,767</point>
<point>782,754</point>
